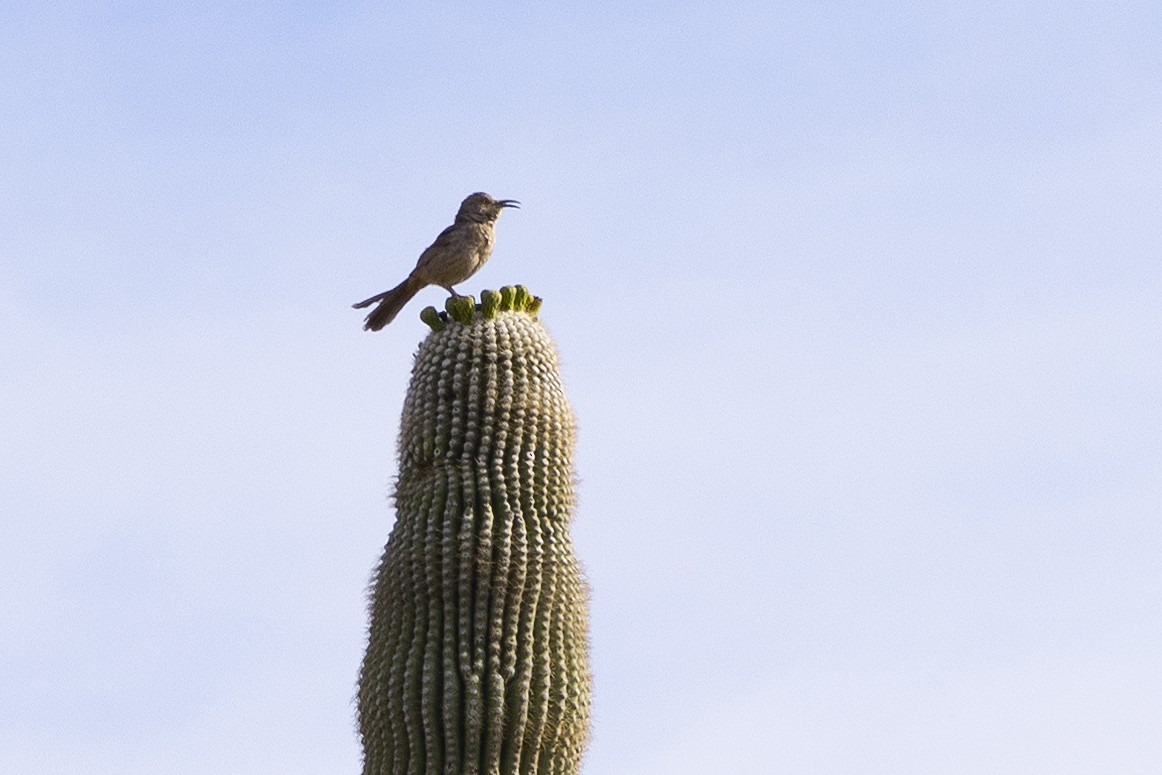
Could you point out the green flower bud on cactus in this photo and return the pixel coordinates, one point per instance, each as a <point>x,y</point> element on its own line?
<point>477,660</point>
<point>432,318</point>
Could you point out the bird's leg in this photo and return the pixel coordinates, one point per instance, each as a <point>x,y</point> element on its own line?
<point>451,290</point>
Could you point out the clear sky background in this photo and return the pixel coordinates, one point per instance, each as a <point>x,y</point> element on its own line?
<point>857,305</point>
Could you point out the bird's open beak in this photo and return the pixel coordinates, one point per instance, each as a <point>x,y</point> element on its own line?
<point>509,203</point>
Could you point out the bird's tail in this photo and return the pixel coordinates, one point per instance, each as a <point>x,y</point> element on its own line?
<point>390,303</point>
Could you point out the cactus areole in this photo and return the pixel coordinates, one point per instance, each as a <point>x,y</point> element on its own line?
<point>477,659</point>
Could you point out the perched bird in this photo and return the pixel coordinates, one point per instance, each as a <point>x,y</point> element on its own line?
<point>457,253</point>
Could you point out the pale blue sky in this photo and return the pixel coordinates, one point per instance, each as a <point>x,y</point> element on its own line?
<point>857,304</point>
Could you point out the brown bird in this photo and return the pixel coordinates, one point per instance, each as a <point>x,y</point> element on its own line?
<point>457,253</point>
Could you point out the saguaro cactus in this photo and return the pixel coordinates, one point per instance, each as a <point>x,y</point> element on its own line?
<point>477,660</point>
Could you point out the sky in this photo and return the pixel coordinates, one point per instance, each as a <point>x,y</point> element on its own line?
<point>857,307</point>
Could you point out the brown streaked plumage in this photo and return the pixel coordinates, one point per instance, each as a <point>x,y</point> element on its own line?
<point>457,253</point>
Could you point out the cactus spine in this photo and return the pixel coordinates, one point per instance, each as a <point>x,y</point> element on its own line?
<point>477,660</point>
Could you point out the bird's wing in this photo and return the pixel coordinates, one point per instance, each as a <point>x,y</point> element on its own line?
<point>444,238</point>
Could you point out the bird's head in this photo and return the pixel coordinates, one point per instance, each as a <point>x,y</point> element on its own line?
<point>482,208</point>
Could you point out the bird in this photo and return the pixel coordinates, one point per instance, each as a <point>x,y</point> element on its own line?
<point>457,253</point>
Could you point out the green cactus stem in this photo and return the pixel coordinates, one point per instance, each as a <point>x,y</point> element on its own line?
<point>477,660</point>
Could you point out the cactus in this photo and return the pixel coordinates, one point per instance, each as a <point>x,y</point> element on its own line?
<point>477,660</point>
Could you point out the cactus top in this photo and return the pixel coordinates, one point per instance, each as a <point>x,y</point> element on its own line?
<point>486,379</point>
<point>464,309</point>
